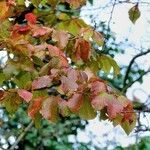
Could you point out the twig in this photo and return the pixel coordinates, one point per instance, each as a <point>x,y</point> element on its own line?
<point>108,26</point>
<point>130,65</point>
<point>21,135</point>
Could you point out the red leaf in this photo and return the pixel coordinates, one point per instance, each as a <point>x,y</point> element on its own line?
<point>26,95</point>
<point>41,82</point>
<point>21,28</point>
<point>82,49</point>
<point>103,100</point>
<point>75,102</point>
<point>35,106</point>
<point>55,51</point>
<point>37,32</point>
<point>31,18</point>
<point>97,86</point>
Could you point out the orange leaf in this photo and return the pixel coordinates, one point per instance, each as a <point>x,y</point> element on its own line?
<point>35,106</point>
<point>82,49</point>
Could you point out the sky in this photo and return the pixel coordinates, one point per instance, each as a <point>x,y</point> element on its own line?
<point>138,35</point>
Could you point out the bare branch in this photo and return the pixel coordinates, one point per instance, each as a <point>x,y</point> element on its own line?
<point>130,65</point>
<point>21,136</point>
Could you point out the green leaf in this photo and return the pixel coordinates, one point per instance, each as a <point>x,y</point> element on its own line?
<point>72,26</point>
<point>107,63</point>
<point>86,111</point>
<point>37,120</point>
<point>36,2</point>
<point>134,13</point>
<point>2,78</point>
<point>4,29</point>
<point>11,102</point>
<point>23,80</point>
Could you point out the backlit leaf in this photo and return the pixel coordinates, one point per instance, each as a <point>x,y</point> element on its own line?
<point>134,13</point>
<point>86,111</point>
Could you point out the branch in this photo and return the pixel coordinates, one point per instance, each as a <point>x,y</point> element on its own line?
<point>21,135</point>
<point>108,26</point>
<point>131,63</point>
<point>126,86</point>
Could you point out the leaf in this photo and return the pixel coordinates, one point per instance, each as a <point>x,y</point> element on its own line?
<point>63,108</point>
<point>5,29</point>
<point>36,2</point>
<point>1,94</point>
<point>41,82</point>
<point>49,109</point>
<point>98,38</point>
<point>86,111</point>
<point>31,18</point>
<point>41,31</point>
<point>61,37</point>
<point>23,80</point>
<point>53,3</point>
<point>20,28</point>
<point>107,63</point>
<point>73,26</point>
<point>27,96</point>
<point>75,102</point>
<point>68,81</point>
<point>97,86</point>
<point>35,106</point>
<point>75,3</point>
<point>82,50</point>
<point>107,100</point>
<point>134,13</point>
<point>38,120</point>
<point>11,102</point>
<point>4,9</point>
<point>126,125</point>
<point>2,78</point>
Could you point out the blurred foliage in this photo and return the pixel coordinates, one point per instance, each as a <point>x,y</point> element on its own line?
<point>144,144</point>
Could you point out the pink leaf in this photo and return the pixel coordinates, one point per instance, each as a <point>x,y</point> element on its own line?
<point>26,95</point>
<point>41,82</point>
<point>37,32</point>
<point>61,37</point>
<point>75,102</point>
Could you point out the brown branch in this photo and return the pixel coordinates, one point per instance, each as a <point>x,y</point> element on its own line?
<point>131,63</point>
<point>20,137</point>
